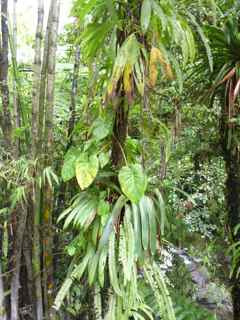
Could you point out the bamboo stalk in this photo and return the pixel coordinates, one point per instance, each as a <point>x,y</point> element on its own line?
<point>3,315</point>
<point>37,78</point>
<point>16,113</point>
<point>17,255</point>
<point>36,252</point>
<point>36,190</point>
<point>48,147</point>
<point>6,115</point>
<point>74,90</point>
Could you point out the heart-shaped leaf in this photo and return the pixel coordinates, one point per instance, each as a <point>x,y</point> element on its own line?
<point>86,170</point>
<point>133,182</point>
<point>68,169</point>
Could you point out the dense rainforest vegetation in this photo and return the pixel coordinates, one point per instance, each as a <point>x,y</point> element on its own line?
<point>120,161</point>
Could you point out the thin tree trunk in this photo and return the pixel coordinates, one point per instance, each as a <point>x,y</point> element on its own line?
<point>178,120</point>
<point>6,116</point>
<point>48,138</point>
<point>16,111</point>
<point>42,89</point>
<point>36,251</point>
<point>27,242</point>
<point>72,108</point>
<point>17,255</point>
<point>36,192</point>
<point>3,315</point>
<point>37,78</point>
<point>163,163</point>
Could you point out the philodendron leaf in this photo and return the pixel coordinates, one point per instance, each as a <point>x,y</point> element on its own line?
<point>68,169</point>
<point>133,182</point>
<point>101,129</point>
<point>86,170</point>
<point>146,14</point>
<point>103,159</point>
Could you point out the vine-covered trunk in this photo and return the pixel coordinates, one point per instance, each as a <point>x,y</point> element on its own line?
<point>119,133</point>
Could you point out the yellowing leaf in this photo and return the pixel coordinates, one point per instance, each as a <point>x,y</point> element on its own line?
<point>153,71</point>
<point>156,56</point>
<point>127,55</point>
<point>153,74</point>
<point>86,170</point>
<point>127,81</point>
<point>168,72</point>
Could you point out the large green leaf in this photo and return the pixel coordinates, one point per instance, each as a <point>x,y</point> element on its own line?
<point>86,170</point>
<point>100,129</point>
<point>146,14</point>
<point>133,182</point>
<point>68,169</point>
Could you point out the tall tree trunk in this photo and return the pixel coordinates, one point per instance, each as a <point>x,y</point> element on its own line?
<point>16,111</point>
<point>37,78</point>
<point>233,207</point>
<point>6,116</point>
<point>231,156</point>
<point>42,89</point>
<point>17,255</point>
<point>49,150</point>
<point>36,191</point>
<point>27,253</point>
<point>36,251</point>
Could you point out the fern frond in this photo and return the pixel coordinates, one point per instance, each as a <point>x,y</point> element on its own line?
<point>112,265</point>
<point>97,303</point>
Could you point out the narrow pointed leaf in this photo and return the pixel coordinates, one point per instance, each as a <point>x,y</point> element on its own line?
<point>146,14</point>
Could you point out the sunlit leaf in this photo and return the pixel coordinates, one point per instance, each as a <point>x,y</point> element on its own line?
<point>68,169</point>
<point>86,170</point>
